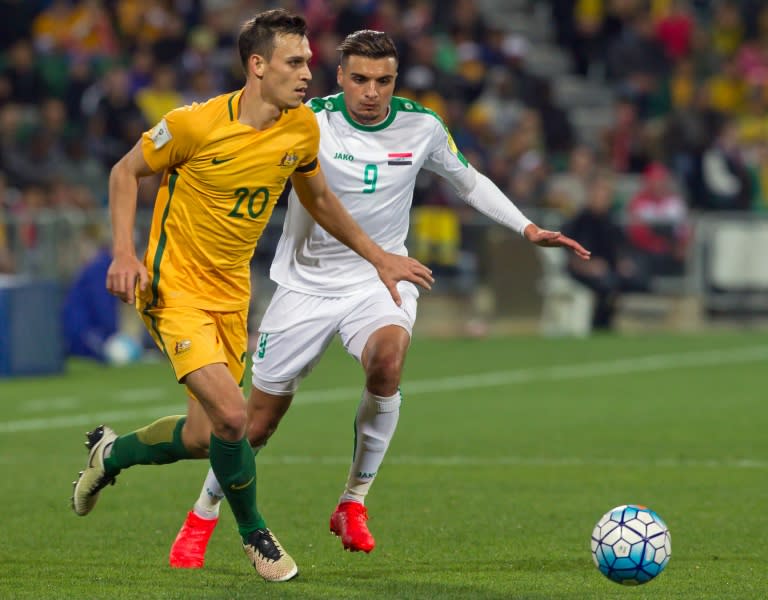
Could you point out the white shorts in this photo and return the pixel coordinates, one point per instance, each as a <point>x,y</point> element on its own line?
<point>297,328</point>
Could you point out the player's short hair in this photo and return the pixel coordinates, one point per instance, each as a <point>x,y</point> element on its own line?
<point>367,43</point>
<point>257,35</point>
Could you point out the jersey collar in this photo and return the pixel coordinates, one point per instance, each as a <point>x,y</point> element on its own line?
<point>378,127</point>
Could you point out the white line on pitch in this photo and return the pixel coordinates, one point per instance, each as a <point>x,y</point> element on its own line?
<point>503,461</point>
<point>533,461</point>
<point>621,366</point>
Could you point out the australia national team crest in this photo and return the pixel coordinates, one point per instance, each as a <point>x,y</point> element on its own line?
<point>395,159</point>
<point>289,159</point>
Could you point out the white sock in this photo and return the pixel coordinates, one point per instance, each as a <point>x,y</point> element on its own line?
<point>207,505</point>
<point>375,425</point>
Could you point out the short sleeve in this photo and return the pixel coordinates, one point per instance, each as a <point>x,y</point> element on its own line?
<point>446,159</point>
<point>173,140</point>
<point>309,165</point>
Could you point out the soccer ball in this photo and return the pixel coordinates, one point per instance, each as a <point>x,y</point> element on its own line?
<point>121,349</point>
<point>631,544</point>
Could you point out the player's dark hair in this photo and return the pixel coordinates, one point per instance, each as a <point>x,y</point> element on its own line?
<point>367,43</point>
<point>257,35</point>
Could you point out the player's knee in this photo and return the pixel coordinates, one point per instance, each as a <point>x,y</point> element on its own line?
<point>260,430</point>
<point>231,425</point>
<point>383,373</point>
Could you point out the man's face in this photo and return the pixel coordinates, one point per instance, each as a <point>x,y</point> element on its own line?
<point>286,76</point>
<point>368,85</point>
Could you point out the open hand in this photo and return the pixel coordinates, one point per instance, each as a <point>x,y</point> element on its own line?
<point>554,239</point>
<point>394,267</point>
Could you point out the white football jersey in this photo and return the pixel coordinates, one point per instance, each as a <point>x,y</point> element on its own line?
<point>372,169</point>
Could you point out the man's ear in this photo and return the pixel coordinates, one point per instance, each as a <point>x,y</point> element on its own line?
<point>257,64</point>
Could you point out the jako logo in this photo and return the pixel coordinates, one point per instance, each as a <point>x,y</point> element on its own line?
<point>343,156</point>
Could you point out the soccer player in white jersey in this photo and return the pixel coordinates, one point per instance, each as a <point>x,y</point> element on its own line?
<point>372,145</point>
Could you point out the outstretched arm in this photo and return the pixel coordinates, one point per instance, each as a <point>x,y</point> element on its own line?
<point>331,215</point>
<point>483,195</point>
<point>126,268</point>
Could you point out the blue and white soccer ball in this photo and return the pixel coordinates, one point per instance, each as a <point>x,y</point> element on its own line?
<point>631,544</point>
<point>121,349</point>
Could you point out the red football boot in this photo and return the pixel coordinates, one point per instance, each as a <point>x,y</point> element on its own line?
<point>188,550</point>
<point>348,522</point>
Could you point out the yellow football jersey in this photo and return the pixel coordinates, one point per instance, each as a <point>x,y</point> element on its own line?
<point>220,183</point>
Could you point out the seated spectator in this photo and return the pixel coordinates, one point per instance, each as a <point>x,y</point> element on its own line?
<point>90,312</point>
<point>658,223</point>
<point>611,270</point>
<point>726,179</point>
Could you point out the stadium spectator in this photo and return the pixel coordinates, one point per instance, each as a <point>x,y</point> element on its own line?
<point>675,29</point>
<point>35,159</point>
<point>90,313</point>
<point>21,81</point>
<point>727,182</point>
<point>51,28</point>
<point>160,96</point>
<point>567,190</point>
<point>685,134</point>
<point>727,28</point>
<point>611,269</point>
<point>657,223</point>
<point>727,89</point>
<point>636,61</point>
<point>90,32</point>
<point>527,85</point>
<point>558,134</point>
<point>625,141</point>
<point>117,120</point>
<point>752,56</point>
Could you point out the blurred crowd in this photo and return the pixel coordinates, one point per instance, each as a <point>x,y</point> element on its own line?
<point>81,79</point>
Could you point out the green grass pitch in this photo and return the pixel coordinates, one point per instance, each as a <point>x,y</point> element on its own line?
<point>508,452</point>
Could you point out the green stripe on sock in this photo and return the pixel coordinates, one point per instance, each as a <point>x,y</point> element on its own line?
<point>156,444</point>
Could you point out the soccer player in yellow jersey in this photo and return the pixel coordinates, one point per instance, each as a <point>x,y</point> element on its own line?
<point>224,163</point>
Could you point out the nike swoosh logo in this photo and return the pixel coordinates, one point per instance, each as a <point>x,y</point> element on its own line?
<point>218,161</point>
<point>235,486</point>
